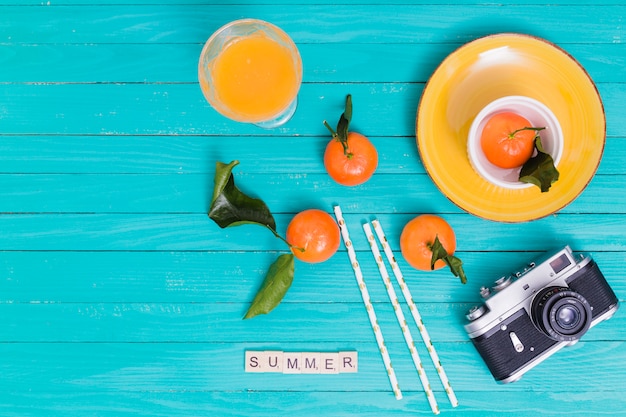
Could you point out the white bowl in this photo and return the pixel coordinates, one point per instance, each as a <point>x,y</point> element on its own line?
<point>537,114</point>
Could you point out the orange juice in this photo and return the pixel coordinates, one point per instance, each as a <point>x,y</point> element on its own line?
<point>250,71</point>
<point>255,78</point>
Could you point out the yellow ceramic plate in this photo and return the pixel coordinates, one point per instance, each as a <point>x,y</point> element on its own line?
<point>502,65</point>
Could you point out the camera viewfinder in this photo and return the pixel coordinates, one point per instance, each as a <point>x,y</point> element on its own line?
<point>560,263</point>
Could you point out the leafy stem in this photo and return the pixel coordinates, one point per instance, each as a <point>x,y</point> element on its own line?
<point>298,248</point>
<point>439,253</point>
<point>343,124</point>
<point>231,207</point>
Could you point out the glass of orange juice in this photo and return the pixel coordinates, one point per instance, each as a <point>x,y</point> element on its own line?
<point>250,71</point>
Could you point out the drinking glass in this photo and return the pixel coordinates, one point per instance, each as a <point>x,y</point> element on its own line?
<point>250,71</point>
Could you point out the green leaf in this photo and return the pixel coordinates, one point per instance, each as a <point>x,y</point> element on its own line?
<point>277,281</point>
<point>456,267</point>
<point>455,264</point>
<point>439,252</point>
<point>539,170</point>
<point>344,121</point>
<point>231,207</point>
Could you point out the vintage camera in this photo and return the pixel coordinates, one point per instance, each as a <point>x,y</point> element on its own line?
<point>531,314</point>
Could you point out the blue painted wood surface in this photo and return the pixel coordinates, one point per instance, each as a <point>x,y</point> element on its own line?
<point>118,296</point>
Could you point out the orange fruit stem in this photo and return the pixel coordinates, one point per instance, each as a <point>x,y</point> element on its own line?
<point>515,132</point>
<point>343,141</point>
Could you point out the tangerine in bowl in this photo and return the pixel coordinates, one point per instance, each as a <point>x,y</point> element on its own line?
<point>502,138</point>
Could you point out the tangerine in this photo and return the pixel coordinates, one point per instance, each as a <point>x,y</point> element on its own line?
<point>350,158</point>
<point>418,237</point>
<point>313,235</point>
<point>508,140</point>
<point>355,164</point>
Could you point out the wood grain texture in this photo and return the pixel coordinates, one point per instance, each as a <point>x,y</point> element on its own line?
<point>78,154</point>
<point>285,403</point>
<point>176,193</point>
<point>326,62</point>
<point>193,232</point>
<point>118,295</point>
<point>198,277</point>
<point>180,109</point>
<point>218,368</point>
<point>373,23</point>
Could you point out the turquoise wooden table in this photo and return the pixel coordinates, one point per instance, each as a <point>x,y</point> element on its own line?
<point>119,296</point>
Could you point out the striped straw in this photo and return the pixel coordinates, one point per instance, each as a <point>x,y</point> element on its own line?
<point>368,303</point>
<point>416,315</point>
<point>401,320</point>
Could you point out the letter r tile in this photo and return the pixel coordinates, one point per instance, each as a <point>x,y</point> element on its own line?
<point>348,361</point>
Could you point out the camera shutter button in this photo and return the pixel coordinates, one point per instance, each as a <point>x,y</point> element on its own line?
<point>476,312</point>
<point>502,283</point>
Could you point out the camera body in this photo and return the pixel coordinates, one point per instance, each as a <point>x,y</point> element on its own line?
<point>531,314</point>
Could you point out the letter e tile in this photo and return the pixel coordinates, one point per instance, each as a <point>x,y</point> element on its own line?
<point>329,363</point>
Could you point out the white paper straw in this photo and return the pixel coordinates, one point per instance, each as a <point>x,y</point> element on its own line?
<point>368,303</point>
<point>401,320</point>
<point>415,313</point>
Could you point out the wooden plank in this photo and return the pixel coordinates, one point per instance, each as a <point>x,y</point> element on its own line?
<point>197,155</point>
<point>222,277</point>
<point>136,368</point>
<point>180,109</point>
<point>248,403</point>
<point>431,23</point>
<point>191,193</point>
<point>222,322</point>
<point>326,62</point>
<point>195,232</point>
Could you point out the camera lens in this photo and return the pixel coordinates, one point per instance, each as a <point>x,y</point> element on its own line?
<point>568,317</point>
<point>560,313</point>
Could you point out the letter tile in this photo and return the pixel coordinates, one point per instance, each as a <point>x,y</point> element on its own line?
<point>253,361</point>
<point>310,363</point>
<point>348,361</point>
<point>329,363</point>
<point>273,361</point>
<point>292,362</point>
